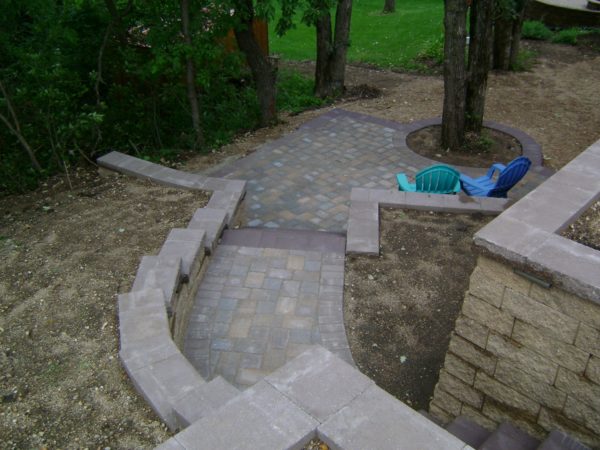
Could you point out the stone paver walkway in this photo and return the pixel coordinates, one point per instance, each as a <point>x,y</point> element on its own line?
<point>258,308</point>
<point>303,180</point>
<point>271,290</point>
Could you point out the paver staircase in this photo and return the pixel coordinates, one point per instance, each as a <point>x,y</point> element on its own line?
<point>506,437</point>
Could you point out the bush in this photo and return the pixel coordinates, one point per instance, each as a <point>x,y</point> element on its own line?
<point>295,92</point>
<point>534,29</point>
<point>568,36</point>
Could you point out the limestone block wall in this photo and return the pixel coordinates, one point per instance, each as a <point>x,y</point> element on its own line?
<point>524,353</point>
<point>526,345</point>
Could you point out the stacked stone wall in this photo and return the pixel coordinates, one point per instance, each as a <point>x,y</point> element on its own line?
<point>525,353</point>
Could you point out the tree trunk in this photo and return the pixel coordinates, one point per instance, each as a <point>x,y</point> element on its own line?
<point>480,50</point>
<point>190,73</point>
<point>516,34</point>
<point>389,6</point>
<point>503,26</point>
<point>453,117</point>
<point>324,52</point>
<point>332,50</point>
<point>263,72</point>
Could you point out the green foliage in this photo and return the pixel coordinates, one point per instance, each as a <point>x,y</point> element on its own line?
<point>67,110</point>
<point>568,36</point>
<point>534,29</point>
<point>295,92</point>
<point>386,40</point>
<point>525,61</point>
<point>434,51</point>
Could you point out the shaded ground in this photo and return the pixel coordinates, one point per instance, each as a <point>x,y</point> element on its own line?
<point>63,256</point>
<point>400,308</point>
<point>493,146</point>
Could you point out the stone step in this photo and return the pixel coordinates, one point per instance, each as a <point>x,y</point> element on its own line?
<point>203,401</point>
<point>213,222</point>
<point>468,431</point>
<point>320,241</point>
<point>509,437</point>
<point>557,440</point>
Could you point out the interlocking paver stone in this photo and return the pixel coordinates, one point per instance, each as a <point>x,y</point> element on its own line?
<point>290,186</point>
<point>244,333</point>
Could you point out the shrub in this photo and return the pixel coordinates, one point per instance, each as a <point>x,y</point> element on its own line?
<point>534,29</point>
<point>295,92</point>
<point>568,36</point>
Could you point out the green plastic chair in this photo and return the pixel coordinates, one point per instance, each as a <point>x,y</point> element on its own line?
<point>437,179</point>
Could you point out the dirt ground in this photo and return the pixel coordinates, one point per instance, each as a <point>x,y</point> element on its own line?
<point>478,151</point>
<point>412,292</point>
<point>586,230</point>
<point>66,253</point>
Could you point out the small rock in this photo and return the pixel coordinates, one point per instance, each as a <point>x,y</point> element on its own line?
<point>402,359</point>
<point>9,397</point>
<point>371,277</point>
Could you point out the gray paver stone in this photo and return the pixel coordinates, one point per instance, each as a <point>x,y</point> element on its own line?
<point>261,417</point>
<point>319,382</point>
<point>375,419</point>
<point>203,400</point>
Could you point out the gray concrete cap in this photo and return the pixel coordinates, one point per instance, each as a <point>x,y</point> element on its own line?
<point>376,420</point>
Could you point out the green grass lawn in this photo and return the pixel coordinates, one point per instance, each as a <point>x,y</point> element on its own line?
<point>386,40</point>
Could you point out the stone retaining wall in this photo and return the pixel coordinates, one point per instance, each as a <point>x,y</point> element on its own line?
<point>526,346</point>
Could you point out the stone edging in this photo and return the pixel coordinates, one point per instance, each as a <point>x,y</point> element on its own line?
<point>363,220</point>
<point>153,316</point>
<point>531,149</point>
<point>527,233</point>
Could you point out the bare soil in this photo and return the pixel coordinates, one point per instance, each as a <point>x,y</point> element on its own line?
<point>66,253</point>
<point>478,151</point>
<point>400,308</point>
<point>586,229</point>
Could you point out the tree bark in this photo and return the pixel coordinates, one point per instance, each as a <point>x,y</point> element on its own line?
<point>453,117</point>
<point>480,50</point>
<point>190,73</point>
<point>503,26</point>
<point>389,6</point>
<point>263,72</point>
<point>324,51</point>
<point>516,34</point>
<point>332,50</point>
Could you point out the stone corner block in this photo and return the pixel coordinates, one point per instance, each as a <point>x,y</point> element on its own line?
<point>260,417</point>
<point>319,382</point>
<point>203,400</point>
<point>163,382</point>
<point>375,419</point>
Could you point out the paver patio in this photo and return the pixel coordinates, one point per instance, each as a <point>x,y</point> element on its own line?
<point>303,180</point>
<point>271,290</point>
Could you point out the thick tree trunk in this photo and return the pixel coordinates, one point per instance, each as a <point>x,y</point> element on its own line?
<point>453,117</point>
<point>389,6</point>
<point>263,72</point>
<point>190,73</point>
<point>480,50</point>
<point>516,34</point>
<point>332,50</point>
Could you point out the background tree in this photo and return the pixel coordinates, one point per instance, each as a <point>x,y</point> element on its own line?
<point>263,71</point>
<point>508,24</point>
<point>389,6</point>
